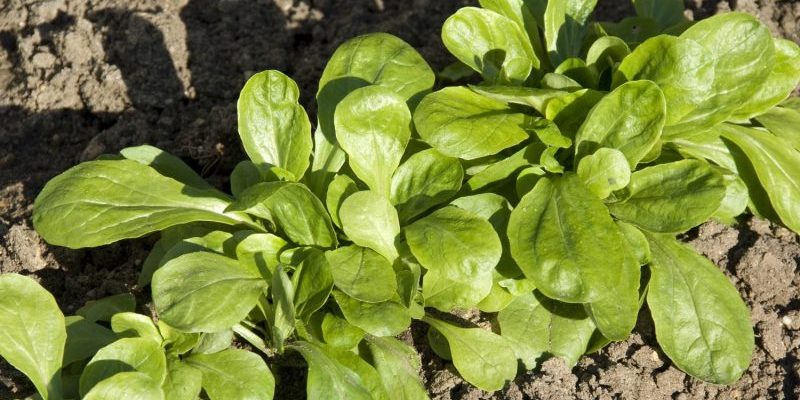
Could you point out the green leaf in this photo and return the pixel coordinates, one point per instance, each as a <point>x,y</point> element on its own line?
<point>127,385</point>
<point>426,179</point>
<point>183,382</point>
<point>461,123</point>
<point>273,126</point>
<point>218,242</point>
<point>483,358</point>
<point>175,341</point>
<point>564,240</point>
<point>568,112</point>
<point>327,378</point>
<point>666,12</point>
<point>498,298</point>
<point>636,240</point>
<point>246,174</point>
<point>387,318</point>
<point>337,332</point>
<point>362,273</point>
<point>313,282</point>
<point>34,334</point>
<point>373,126</point>
<point>398,366</point>
<point>506,167</point>
<point>735,201</point>
<point>460,250</point>
<point>629,119</point>
<point>259,252</point>
<point>527,179</point>
<point>374,59</point>
<point>447,290</point>
<point>124,355</point>
<point>294,209</point>
<point>535,98</point>
<point>166,164</point>
<point>743,53</point>
<point>783,123</point>
<point>193,292</point>
<point>84,338</point>
<point>776,164</point>
<point>105,308</point>
<point>101,202</point>
<point>633,30</point>
<point>565,27</point>
<point>535,325</point>
<point>328,159</point>
<point>180,240</point>
<point>370,220</point>
<point>234,374</point>
<point>341,187</point>
<point>490,43</point>
<point>213,342</point>
<point>701,322</point>
<point>706,146</point>
<point>497,210</point>
<point>615,314</point>
<point>283,308</point>
<point>527,14</point>
<point>368,375</point>
<point>671,197</point>
<point>604,171</point>
<point>454,239</point>
<point>783,79</point>
<point>606,52</point>
<point>682,68</point>
<point>130,324</point>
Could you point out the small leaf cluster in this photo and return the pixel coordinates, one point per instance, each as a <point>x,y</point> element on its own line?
<point>547,194</point>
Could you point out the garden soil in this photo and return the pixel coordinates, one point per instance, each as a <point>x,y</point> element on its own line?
<point>79,78</point>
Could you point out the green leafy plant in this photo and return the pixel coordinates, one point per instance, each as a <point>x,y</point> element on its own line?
<point>548,195</point>
<point>609,139</point>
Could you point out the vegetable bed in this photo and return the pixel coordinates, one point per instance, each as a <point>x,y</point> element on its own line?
<point>183,101</point>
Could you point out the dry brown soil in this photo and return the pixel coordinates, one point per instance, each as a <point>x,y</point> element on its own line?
<point>83,77</point>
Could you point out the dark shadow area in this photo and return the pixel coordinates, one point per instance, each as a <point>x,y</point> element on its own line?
<point>745,240</point>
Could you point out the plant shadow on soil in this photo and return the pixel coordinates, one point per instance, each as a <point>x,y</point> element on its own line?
<point>188,108</point>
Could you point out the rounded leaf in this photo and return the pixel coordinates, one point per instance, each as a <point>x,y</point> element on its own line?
<point>193,292</point>
<point>373,126</point>
<point>491,44</point>
<point>273,126</point>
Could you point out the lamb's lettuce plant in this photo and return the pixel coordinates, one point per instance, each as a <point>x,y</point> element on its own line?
<point>609,140</point>
<point>548,194</point>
